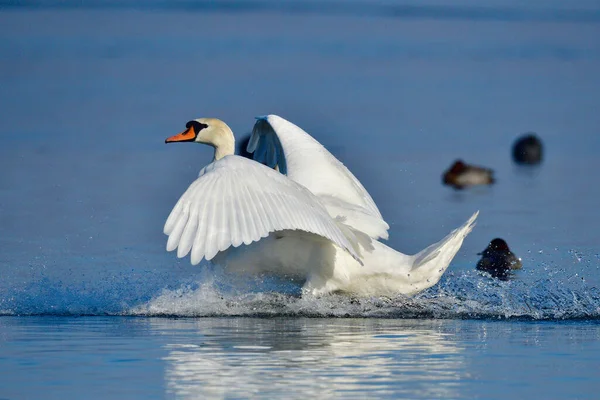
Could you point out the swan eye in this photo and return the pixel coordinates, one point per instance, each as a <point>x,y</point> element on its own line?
<point>198,126</point>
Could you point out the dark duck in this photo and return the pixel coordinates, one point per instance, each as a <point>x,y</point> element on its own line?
<point>461,175</point>
<point>497,260</point>
<point>528,149</point>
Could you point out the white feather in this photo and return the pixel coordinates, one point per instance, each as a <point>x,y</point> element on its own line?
<point>317,222</point>
<point>227,206</point>
<point>307,162</point>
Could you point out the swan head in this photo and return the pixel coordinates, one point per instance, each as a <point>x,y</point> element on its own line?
<point>210,131</point>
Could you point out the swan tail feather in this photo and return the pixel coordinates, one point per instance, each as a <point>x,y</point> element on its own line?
<point>447,246</point>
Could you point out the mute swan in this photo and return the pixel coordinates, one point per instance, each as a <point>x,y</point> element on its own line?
<point>298,211</point>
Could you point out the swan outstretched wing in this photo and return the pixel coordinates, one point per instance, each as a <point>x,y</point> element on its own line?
<point>239,201</point>
<point>280,144</point>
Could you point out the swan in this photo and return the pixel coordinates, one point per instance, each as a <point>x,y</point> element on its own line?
<point>294,211</point>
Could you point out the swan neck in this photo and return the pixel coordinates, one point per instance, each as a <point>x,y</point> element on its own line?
<point>225,146</point>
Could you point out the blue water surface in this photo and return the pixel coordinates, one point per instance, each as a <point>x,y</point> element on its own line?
<point>397,90</point>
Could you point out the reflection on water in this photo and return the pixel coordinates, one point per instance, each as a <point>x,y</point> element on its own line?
<point>147,358</point>
<point>304,357</point>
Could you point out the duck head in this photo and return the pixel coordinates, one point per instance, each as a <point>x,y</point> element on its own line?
<point>458,167</point>
<point>450,177</point>
<point>496,245</point>
<point>210,131</point>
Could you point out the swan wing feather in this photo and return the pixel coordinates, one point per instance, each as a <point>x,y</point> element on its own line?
<point>238,201</point>
<point>279,143</point>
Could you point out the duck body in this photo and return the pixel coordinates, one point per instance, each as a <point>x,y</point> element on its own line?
<point>461,175</point>
<point>498,260</point>
<point>528,149</point>
<point>297,212</point>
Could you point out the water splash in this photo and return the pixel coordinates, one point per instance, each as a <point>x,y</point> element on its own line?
<point>463,294</point>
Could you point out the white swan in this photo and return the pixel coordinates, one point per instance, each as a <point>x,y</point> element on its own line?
<point>301,215</point>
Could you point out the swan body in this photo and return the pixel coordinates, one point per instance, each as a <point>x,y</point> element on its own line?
<point>297,212</point>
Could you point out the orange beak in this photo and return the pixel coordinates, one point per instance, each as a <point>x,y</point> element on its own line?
<point>185,136</point>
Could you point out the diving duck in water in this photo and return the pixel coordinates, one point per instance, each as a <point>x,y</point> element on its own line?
<point>461,175</point>
<point>498,260</point>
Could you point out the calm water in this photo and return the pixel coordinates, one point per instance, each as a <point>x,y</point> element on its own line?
<point>99,357</point>
<point>396,90</point>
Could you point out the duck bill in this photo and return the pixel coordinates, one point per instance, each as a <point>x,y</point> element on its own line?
<point>186,136</point>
